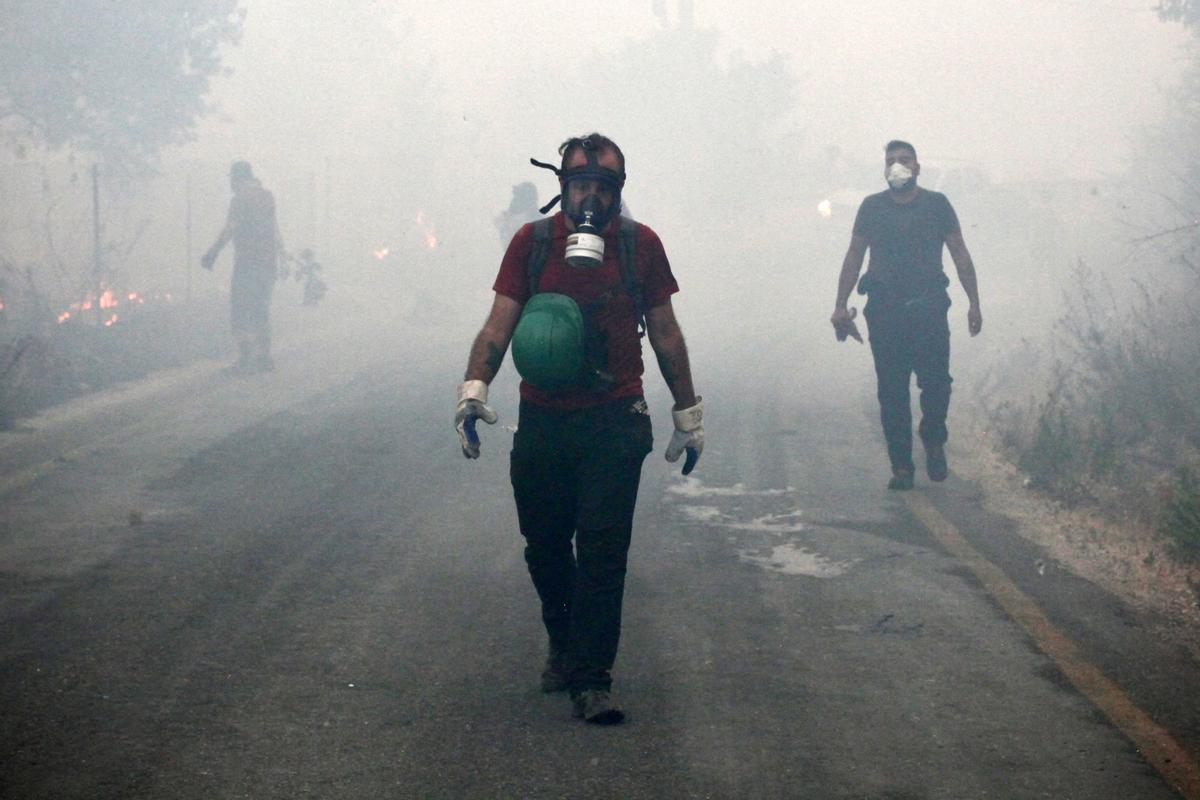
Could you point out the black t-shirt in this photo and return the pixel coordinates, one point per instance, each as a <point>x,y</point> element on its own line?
<point>906,242</point>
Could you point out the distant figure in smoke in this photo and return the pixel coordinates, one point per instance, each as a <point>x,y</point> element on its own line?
<point>905,228</point>
<point>574,294</point>
<point>252,226</point>
<point>306,270</point>
<point>521,209</point>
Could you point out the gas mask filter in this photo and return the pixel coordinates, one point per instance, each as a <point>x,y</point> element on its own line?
<point>585,247</point>
<point>898,176</point>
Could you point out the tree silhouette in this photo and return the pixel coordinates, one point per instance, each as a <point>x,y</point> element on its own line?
<point>1185,11</point>
<point>121,80</point>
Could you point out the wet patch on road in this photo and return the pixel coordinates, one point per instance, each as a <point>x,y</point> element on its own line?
<point>787,522</point>
<point>694,487</point>
<point>794,560</point>
<point>758,518</point>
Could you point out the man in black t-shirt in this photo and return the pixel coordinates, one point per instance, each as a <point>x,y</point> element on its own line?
<point>905,227</point>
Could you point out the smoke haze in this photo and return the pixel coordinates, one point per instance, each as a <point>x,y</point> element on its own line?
<point>390,126</point>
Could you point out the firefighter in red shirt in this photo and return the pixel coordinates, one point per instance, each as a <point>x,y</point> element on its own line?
<point>252,226</point>
<point>573,295</point>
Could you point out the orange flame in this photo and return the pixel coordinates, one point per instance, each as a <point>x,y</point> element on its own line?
<point>109,300</point>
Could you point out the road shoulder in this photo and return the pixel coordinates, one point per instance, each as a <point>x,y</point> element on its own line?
<point>1124,557</point>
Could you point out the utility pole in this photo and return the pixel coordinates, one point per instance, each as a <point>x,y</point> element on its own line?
<point>312,210</point>
<point>97,256</point>
<point>187,297</point>
<point>325,225</point>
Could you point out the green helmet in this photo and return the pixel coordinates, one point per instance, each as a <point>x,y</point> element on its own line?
<point>547,346</point>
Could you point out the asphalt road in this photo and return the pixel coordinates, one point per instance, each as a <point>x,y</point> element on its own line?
<point>293,586</point>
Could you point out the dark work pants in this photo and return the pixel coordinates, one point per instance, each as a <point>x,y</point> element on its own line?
<point>907,339</point>
<point>250,306</point>
<point>575,474</point>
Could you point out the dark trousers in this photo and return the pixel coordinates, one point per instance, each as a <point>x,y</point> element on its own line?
<point>906,339</point>
<point>250,306</point>
<point>575,475</point>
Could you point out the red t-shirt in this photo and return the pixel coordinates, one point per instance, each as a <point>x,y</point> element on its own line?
<point>584,285</point>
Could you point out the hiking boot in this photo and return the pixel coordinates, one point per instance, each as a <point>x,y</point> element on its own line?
<point>935,463</point>
<point>595,706</point>
<point>556,674</point>
<point>902,480</point>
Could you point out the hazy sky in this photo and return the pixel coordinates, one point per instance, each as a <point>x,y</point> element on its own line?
<point>1030,89</point>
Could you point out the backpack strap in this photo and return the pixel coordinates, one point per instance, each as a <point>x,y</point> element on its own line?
<point>627,249</point>
<point>537,254</point>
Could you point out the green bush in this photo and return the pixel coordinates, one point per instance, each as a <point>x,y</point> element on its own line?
<point>1053,455</point>
<point>1180,521</point>
<point>1121,412</point>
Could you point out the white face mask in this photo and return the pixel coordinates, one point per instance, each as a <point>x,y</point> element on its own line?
<point>898,175</point>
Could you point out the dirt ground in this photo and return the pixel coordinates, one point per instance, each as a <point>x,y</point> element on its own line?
<point>1127,558</point>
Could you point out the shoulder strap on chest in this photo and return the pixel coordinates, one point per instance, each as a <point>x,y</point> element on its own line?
<point>537,254</point>
<point>627,250</point>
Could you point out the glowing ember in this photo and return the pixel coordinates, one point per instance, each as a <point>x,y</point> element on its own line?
<point>109,300</point>
<point>825,209</point>
<point>381,253</point>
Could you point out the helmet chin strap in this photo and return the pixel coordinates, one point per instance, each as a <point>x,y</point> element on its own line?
<point>591,168</point>
<point>558,173</point>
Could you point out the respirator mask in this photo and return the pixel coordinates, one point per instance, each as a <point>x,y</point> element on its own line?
<point>583,204</point>
<point>591,198</point>
<point>898,176</point>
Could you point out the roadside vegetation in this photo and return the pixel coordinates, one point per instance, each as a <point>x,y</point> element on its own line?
<point>52,351</point>
<point>1118,427</point>
<point>113,93</point>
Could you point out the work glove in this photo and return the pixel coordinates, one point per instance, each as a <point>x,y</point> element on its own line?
<point>688,435</point>
<point>472,406</point>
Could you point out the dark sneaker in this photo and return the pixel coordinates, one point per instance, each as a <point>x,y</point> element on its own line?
<point>595,706</point>
<point>935,463</point>
<point>902,480</point>
<point>556,675</point>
